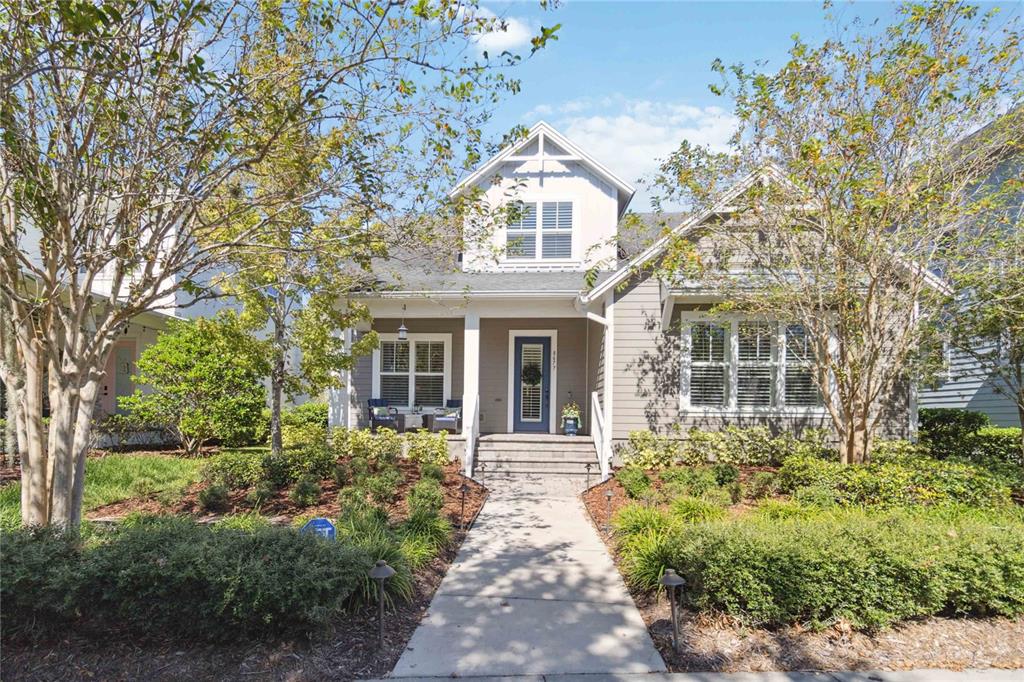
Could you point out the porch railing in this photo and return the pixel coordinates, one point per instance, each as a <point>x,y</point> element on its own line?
<point>598,434</point>
<point>470,430</point>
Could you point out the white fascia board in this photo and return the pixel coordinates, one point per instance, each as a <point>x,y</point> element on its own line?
<point>542,127</point>
<point>449,294</point>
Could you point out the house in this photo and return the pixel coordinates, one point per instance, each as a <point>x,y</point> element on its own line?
<point>517,329</point>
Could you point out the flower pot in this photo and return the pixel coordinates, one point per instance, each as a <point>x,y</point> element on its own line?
<point>570,426</point>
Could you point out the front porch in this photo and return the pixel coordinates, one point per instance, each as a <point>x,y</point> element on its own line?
<point>513,375</point>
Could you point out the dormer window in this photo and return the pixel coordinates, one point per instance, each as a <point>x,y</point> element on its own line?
<point>552,236</point>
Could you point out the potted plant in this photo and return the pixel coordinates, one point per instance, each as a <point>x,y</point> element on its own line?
<point>570,418</point>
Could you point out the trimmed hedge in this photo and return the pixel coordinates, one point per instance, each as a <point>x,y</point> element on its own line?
<point>871,570</point>
<point>754,446</point>
<point>169,576</point>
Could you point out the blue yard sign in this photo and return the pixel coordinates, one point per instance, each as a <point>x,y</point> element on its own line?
<point>321,527</point>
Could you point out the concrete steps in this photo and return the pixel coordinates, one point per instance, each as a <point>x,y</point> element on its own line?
<point>510,456</point>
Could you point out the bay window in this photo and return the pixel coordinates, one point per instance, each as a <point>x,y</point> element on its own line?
<point>414,372</point>
<point>738,365</point>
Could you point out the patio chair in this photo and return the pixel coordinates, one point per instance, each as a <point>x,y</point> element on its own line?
<point>381,415</point>
<point>447,418</point>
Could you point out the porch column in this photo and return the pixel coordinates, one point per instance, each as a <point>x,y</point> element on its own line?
<point>471,386</point>
<point>339,400</point>
<point>609,385</point>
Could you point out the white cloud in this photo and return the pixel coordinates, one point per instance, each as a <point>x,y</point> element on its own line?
<point>510,33</point>
<point>631,136</point>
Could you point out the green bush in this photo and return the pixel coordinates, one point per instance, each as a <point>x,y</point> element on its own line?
<point>306,492</point>
<point>751,446</point>
<point>762,484</point>
<point>633,480</point>
<point>313,413</point>
<point>815,496</point>
<point>913,481</point>
<point>772,510</point>
<point>693,481</point>
<point>214,498</point>
<point>432,471</point>
<point>369,531</point>
<point>695,510</point>
<point>353,500</point>
<point>725,473</point>
<point>383,487</point>
<point>242,522</point>
<point>260,493</point>
<point>647,450</point>
<point>235,469</point>
<point>426,498</point>
<point>428,448</point>
<point>872,570</point>
<point>432,530</point>
<point>37,577</point>
<point>996,444</point>
<point>639,519</point>
<point>942,428</point>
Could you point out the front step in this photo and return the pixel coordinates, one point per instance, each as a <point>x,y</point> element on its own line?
<point>523,455</point>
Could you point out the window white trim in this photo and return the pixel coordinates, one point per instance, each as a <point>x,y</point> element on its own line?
<point>413,338</point>
<point>575,233</point>
<point>778,408</point>
<point>553,335</point>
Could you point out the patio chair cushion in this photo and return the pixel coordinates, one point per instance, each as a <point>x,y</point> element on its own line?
<point>380,412</point>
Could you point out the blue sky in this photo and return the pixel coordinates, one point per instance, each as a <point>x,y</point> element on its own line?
<point>628,81</point>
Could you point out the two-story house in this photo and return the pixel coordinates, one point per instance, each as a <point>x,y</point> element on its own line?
<point>519,335</point>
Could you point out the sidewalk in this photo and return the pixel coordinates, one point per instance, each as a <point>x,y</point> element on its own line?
<point>531,592</point>
<point>990,675</point>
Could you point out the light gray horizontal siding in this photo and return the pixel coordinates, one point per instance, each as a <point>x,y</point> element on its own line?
<point>968,387</point>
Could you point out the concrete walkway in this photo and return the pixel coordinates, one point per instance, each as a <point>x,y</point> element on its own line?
<point>989,675</point>
<point>532,591</point>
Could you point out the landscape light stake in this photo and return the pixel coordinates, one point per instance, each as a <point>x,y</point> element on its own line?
<point>588,475</point>
<point>464,488</point>
<point>483,473</point>
<point>671,581</point>
<point>381,572</point>
<point>608,509</point>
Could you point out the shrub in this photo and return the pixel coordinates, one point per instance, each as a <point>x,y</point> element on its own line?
<point>633,480</point>
<point>815,496</point>
<point>762,484</point>
<point>695,510</point>
<point>174,577</point>
<point>998,444</point>
<point>353,500</point>
<point>432,471</point>
<point>638,519</point>
<point>648,450</point>
<point>303,435</point>
<point>368,530</point>
<point>342,474</point>
<point>426,498</point>
<point>872,570</point>
<point>383,487</point>
<point>306,492</point>
<point>417,550</point>
<point>262,492</point>
<point>235,469</point>
<point>946,424</point>
<point>773,510</point>
<point>242,522</point>
<point>702,447</point>
<point>694,481</point>
<point>432,530</point>
<point>37,574</point>
<point>735,490</point>
<point>214,498</point>
<point>725,473</point>
<point>916,481</point>
<point>313,413</point>
<point>386,448</point>
<point>426,447</point>
<point>721,497</point>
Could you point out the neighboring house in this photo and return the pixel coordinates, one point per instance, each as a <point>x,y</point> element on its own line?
<point>518,336</point>
<point>966,383</point>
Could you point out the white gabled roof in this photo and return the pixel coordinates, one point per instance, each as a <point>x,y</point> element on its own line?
<point>770,173</point>
<point>623,189</point>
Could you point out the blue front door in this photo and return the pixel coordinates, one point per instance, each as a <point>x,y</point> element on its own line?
<point>531,379</point>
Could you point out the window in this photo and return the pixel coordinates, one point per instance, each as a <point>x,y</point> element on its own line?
<point>800,389</point>
<point>415,372</point>
<point>755,371</point>
<point>554,236</point>
<point>522,232</point>
<point>707,365</point>
<point>743,364</point>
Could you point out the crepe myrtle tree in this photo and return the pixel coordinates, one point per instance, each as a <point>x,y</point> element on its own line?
<point>855,173</point>
<point>120,121</point>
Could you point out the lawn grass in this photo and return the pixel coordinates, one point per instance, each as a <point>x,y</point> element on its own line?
<point>114,478</point>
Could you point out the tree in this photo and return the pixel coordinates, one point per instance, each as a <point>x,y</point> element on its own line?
<point>204,381</point>
<point>121,120</point>
<point>984,315</point>
<point>855,180</point>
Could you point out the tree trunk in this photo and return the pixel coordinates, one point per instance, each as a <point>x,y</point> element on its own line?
<point>35,509</point>
<point>80,446</point>
<point>13,393</point>
<point>277,379</point>
<point>63,408</point>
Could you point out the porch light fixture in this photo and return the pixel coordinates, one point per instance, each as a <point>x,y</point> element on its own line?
<point>380,573</point>
<point>671,581</point>
<point>403,333</point>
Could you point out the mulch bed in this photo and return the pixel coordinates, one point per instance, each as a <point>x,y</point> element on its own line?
<point>347,651</point>
<point>721,644</point>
